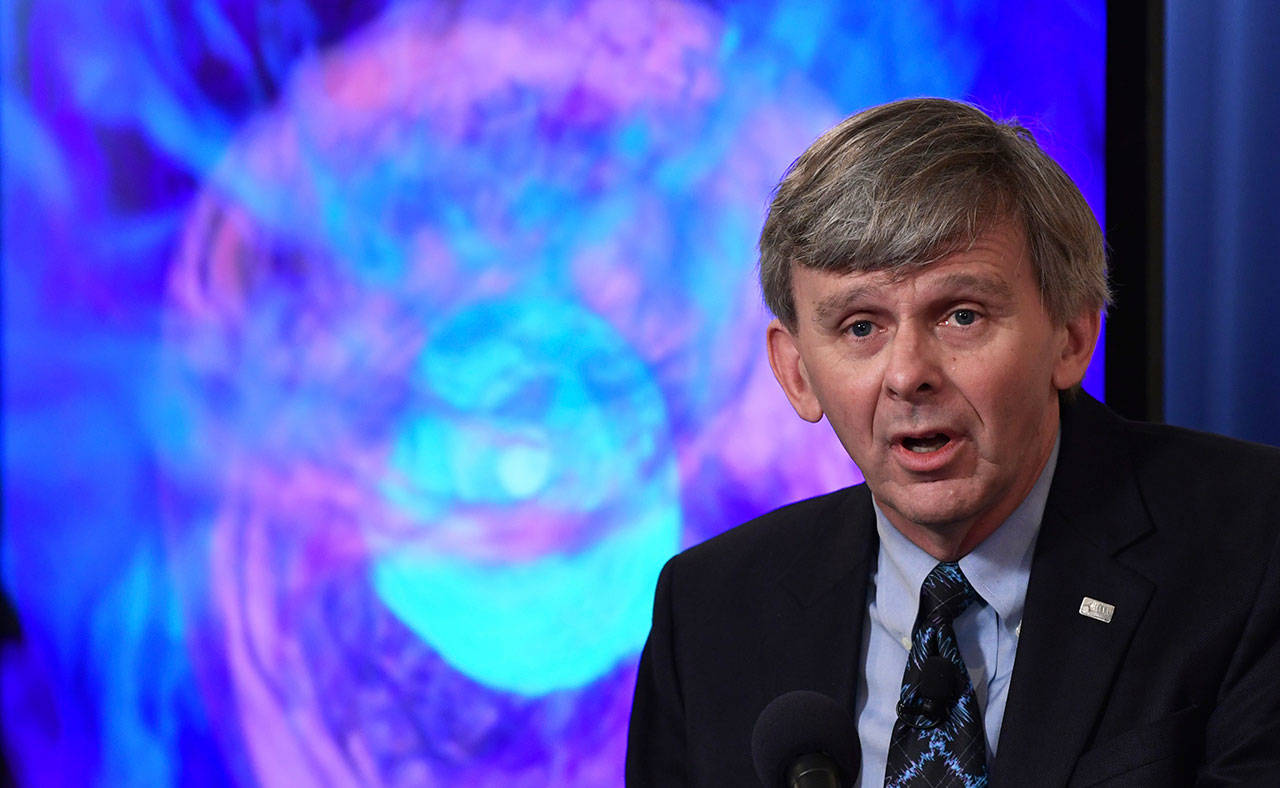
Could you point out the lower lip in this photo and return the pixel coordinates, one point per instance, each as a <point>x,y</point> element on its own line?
<point>926,462</point>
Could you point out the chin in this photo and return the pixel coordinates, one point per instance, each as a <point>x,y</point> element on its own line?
<point>939,521</point>
<point>934,505</point>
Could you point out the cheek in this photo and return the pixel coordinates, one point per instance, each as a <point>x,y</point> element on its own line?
<point>850,405</point>
<point>1018,398</point>
<point>844,385</point>
<point>1006,387</point>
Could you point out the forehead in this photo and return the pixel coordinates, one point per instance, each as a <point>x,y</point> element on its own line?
<point>995,266</point>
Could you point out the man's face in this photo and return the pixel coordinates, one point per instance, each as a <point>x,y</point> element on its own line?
<point>941,384</point>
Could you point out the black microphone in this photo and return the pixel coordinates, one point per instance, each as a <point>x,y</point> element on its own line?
<point>804,739</point>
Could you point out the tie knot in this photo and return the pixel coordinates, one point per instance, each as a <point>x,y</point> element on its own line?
<point>945,594</point>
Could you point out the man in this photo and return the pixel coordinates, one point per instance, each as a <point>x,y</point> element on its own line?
<point>1100,598</point>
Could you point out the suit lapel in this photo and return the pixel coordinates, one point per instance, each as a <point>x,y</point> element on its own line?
<point>816,641</point>
<point>1066,661</point>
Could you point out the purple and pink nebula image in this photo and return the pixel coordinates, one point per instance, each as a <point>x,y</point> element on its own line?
<point>365,362</point>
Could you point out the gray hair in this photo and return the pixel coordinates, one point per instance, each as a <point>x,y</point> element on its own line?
<point>901,185</point>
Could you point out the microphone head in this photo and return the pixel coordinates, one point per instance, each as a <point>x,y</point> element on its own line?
<point>800,723</point>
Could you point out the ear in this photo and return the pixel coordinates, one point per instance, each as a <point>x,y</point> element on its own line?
<point>1081,335</point>
<point>789,369</point>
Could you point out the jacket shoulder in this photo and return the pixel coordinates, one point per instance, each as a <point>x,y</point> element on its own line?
<point>763,538</point>
<point>1180,450</point>
<point>1184,471</point>
<point>756,553</point>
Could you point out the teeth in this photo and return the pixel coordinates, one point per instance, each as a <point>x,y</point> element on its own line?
<point>926,445</point>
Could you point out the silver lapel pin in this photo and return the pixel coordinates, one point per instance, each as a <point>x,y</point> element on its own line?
<point>1101,611</point>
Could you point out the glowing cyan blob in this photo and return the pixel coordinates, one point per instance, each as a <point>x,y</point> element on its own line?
<point>540,440</point>
<point>555,623</point>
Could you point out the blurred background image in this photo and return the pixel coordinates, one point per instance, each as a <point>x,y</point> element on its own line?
<point>364,362</point>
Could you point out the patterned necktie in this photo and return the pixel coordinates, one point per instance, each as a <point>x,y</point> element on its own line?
<point>937,742</point>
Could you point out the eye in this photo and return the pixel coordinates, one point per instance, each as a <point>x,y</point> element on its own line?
<point>860,328</point>
<point>964,317</point>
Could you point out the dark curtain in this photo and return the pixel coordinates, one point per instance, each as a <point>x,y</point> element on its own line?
<point>1222,207</point>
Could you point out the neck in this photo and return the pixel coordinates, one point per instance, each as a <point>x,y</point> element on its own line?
<point>950,542</point>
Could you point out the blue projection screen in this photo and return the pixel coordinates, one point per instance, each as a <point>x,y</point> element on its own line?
<point>363,363</point>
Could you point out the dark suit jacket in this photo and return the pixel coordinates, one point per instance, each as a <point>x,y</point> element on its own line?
<point>1177,529</point>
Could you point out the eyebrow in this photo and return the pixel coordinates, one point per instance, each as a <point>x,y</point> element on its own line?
<point>992,288</point>
<point>840,302</point>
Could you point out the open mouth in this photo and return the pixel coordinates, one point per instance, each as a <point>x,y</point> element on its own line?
<point>926,444</point>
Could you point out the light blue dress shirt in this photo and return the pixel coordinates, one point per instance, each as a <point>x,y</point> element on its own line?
<point>987,634</point>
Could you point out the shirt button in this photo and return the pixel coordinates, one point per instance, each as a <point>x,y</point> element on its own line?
<point>906,643</point>
<point>1017,631</point>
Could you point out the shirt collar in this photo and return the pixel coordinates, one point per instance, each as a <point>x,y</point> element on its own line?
<point>998,568</point>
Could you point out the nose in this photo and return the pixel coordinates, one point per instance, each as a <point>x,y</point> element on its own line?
<point>911,369</point>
